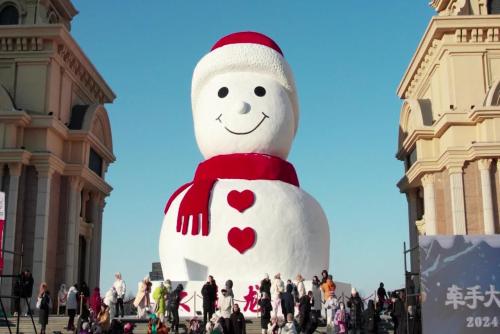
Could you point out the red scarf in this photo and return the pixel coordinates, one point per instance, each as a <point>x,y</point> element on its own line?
<point>246,166</point>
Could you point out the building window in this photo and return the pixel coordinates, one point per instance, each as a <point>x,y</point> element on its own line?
<point>494,7</point>
<point>95,162</point>
<point>9,15</point>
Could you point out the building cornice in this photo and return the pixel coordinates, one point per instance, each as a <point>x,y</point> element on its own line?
<point>57,39</point>
<point>89,176</point>
<point>476,28</point>
<point>452,158</point>
<point>18,117</point>
<point>15,156</point>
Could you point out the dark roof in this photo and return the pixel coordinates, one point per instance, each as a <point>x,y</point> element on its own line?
<point>77,117</point>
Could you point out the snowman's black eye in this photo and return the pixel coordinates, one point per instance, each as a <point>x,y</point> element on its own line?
<point>223,92</point>
<point>259,91</point>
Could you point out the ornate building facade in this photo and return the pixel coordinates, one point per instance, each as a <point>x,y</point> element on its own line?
<point>55,145</point>
<point>449,130</point>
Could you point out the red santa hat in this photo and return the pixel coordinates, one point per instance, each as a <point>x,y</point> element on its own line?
<point>246,51</point>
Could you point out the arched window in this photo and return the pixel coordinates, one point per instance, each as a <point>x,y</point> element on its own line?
<point>9,15</point>
<point>494,7</point>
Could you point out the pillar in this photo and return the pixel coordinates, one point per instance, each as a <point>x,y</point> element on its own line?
<point>489,220</point>
<point>45,173</point>
<point>73,229</point>
<point>10,225</point>
<point>411,197</point>
<point>96,218</point>
<point>429,204</point>
<point>457,199</point>
<point>11,214</point>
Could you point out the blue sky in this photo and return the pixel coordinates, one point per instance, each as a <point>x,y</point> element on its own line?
<point>348,58</point>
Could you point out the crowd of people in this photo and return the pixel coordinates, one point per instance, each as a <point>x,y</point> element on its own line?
<point>284,307</point>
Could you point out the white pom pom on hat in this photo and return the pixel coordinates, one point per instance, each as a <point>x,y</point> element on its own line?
<point>246,51</point>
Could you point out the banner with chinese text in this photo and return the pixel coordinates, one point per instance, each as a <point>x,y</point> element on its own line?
<point>460,284</point>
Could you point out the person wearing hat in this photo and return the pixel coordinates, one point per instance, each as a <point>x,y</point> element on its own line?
<point>356,306</point>
<point>277,289</point>
<point>226,303</point>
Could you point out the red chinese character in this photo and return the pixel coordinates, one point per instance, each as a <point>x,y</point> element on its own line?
<point>184,306</point>
<point>251,300</point>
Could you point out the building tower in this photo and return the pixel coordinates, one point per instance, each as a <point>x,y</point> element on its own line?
<point>55,145</point>
<point>449,130</point>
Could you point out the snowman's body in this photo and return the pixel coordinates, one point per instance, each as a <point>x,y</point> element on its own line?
<point>245,112</point>
<point>291,235</point>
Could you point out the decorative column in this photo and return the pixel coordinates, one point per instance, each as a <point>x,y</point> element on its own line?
<point>429,204</point>
<point>489,220</point>
<point>45,173</point>
<point>73,229</point>
<point>457,199</point>
<point>11,222</point>
<point>411,197</point>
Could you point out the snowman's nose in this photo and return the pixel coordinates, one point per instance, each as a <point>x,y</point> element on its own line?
<point>241,107</point>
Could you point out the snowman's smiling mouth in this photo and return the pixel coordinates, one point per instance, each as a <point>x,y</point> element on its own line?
<point>264,116</point>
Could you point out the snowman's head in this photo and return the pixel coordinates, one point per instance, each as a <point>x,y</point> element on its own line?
<point>244,98</point>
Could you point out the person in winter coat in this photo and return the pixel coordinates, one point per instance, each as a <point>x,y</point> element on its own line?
<point>356,307</point>
<point>95,301</point>
<point>209,294</point>
<point>176,301</point>
<point>277,288</point>
<point>287,301</point>
<point>316,297</point>
<point>72,305</point>
<point>381,296</point>
<point>290,326</point>
<point>44,304</point>
<point>141,301</point>
<point>103,318</point>
<point>25,291</point>
<point>110,299</point>
<point>62,298</point>
<point>273,326</point>
<point>229,288</point>
<point>265,311</point>
<point>121,289</point>
<point>304,311</point>
<point>324,276</point>
<point>398,314</point>
<point>265,285</point>
<point>237,324</point>
<point>168,287</point>
<point>341,320</point>
<point>370,318</point>
<point>301,289</point>
<point>159,296</point>
<point>226,303</point>
<point>155,326</point>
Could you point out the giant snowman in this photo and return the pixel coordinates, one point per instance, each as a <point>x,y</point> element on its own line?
<point>244,214</point>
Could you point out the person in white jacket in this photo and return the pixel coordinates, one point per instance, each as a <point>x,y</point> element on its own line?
<point>277,288</point>
<point>110,299</point>
<point>121,289</point>
<point>300,286</point>
<point>226,303</point>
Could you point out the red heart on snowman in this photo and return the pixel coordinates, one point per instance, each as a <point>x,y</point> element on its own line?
<point>241,240</point>
<point>241,200</point>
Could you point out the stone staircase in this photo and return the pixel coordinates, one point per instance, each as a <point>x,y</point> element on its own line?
<point>57,324</point>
